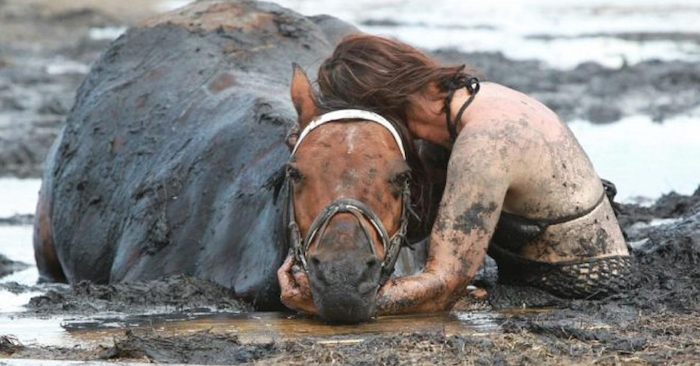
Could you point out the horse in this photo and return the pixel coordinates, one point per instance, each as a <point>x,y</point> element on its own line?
<point>349,203</point>
<point>174,160</point>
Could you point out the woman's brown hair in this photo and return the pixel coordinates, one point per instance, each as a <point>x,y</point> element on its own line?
<point>380,75</point>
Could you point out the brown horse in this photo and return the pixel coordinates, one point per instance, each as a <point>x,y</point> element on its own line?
<point>348,184</point>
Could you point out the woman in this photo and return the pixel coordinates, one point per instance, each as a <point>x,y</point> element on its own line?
<point>518,183</point>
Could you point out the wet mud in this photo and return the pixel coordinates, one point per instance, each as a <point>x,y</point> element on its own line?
<point>659,89</point>
<point>17,220</point>
<point>667,208</point>
<point>172,294</point>
<point>45,53</point>
<point>656,321</point>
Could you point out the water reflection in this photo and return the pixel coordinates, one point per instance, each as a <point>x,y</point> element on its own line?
<point>644,158</point>
<point>249,327</point>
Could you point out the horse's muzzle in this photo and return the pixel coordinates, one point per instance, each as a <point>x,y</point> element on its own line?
<point>344,289</point>
<point>345,308</point>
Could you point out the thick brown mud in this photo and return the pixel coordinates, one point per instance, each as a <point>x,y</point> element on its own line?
<point>179,293</point>
<point>657,321</point>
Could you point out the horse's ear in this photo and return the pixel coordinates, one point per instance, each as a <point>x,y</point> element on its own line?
<point>303,97</point>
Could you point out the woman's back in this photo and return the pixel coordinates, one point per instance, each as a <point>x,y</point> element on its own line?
<point>554,176</point>
<point>554,193</point>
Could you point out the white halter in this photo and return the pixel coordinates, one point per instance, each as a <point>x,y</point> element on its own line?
<point>350,114</point>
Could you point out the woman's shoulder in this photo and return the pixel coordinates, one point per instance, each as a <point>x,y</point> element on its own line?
<point>509,114</point>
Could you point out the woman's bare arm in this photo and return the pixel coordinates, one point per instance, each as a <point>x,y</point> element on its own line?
<point>477,182</point>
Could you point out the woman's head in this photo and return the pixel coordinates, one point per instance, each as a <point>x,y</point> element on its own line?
<point>384,76</point>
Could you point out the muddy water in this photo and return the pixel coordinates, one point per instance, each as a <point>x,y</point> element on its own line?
<point>16,244</point>
<point>18,197</point>
<point>645,159</point>
<point>88,332</point>
<point>250,327</point>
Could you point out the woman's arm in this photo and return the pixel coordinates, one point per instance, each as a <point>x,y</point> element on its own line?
<point>477,181</point>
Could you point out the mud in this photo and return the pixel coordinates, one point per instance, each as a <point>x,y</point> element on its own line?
<point>44,55</point>
<point>659,89</point>
<point>536,343</point>
<point>9,345</point>
<point>172,294</point>
<point>17,220</point>
<point>655,322</point>
<point>670,206</point>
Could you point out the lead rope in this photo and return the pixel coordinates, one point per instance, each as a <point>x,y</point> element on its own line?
<point>458,82</point>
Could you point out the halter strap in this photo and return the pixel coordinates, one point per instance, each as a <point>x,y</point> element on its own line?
<point>391,245</point>
<point>472,85</point>
<point>350,114</point>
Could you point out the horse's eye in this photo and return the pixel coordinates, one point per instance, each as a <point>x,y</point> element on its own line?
<point>293,174</point>
<point>401,178</point>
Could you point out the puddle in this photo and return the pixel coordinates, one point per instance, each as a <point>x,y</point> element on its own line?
<point>18,197</point>
<point>642,157</point>
<point>106,33</point>
<point>60,67</point>
<point>16,244</point>
<point>249,327</point>
<point>172,4</point>
<point>85,332</point>
<point>529,30</point>
<point>36,331</point>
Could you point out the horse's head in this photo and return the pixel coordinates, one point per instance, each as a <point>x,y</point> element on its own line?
<point>349,196</point>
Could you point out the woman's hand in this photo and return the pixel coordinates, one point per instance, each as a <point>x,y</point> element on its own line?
<point>296,293</point>
<point>419,293</point>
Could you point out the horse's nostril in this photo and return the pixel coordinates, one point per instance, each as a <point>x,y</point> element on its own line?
<point>372,262</point>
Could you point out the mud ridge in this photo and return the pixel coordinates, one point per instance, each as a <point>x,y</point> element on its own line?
<point>540,344</point>
<point>8,266</point>
<point>9,345</point>
<point>17,220</point>
<point>659,89</point>
<point>669,206</point>
<point>200,348</point>
<point>178,293</point>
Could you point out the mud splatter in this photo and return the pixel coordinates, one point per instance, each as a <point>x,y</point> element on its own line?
<point>473,218</point>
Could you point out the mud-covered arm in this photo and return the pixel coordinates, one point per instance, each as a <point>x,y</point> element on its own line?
<point>477,182</point>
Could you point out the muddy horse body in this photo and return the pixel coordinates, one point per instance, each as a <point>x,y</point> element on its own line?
<point>165,164</point>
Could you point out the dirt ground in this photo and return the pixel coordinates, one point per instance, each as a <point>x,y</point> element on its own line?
<point>46,48</point>
<point>655,322</point>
